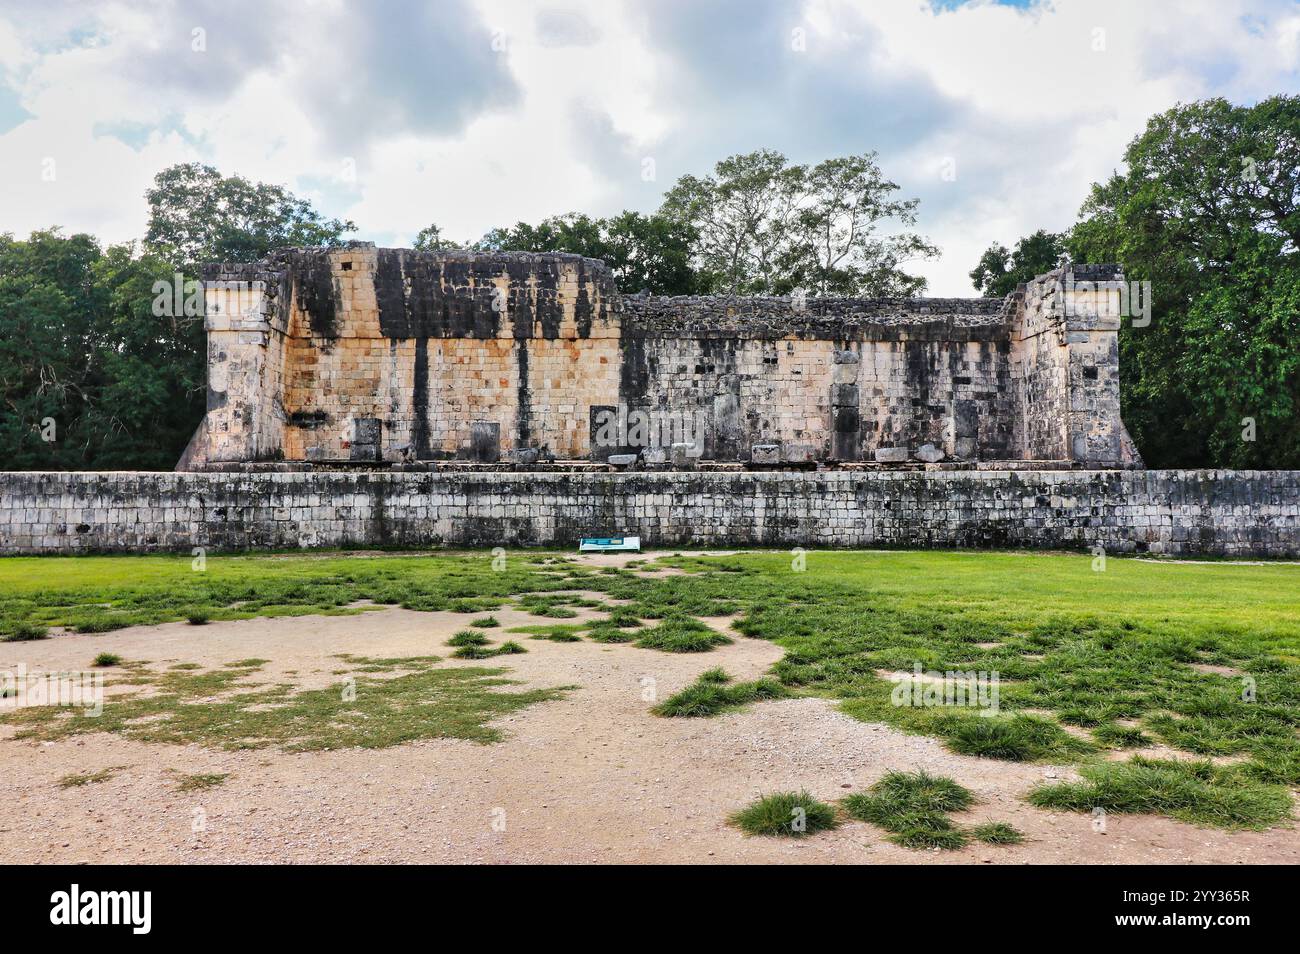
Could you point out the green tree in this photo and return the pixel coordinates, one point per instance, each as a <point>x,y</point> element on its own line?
<point>1000,270</point>
<point>1208,211</point>
<point>90,377</point>
<point>430,239</point>
<point>197,215</point>
<point>645,252</point>
<point>764,226</point>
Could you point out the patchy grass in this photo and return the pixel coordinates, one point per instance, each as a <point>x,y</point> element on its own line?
<point>914,807</point>
<point>486,622</point>
<point>558,633</point>
<point>681,635</point>
<point>1115,736</point>
<point>23,631</point>
<point>711,695</point>
<point>1197,792</point>
<point>108,659</point>
<point>1121,654</point>
<point>785,814</point>
<point>90,778</point>
<point>223,709</point>
<point>200,782</point>
<point>99,594</point>
<point>1018,738</point>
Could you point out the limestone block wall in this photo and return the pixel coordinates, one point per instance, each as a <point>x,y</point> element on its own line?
<point>877,386</point>
<point>1175,513</point>
<point>1066,360</point>
<point>372,355</point>
<point>365,355</point>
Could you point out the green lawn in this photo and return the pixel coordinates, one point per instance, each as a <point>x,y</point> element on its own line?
<point>1111,654</point>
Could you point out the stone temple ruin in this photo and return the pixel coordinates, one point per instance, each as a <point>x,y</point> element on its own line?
<point>371,357</point>
<point>363,397</point>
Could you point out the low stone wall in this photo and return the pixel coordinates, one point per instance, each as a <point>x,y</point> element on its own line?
<point>1178,513</point>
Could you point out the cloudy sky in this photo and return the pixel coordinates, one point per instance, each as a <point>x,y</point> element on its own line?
<point>477,113</point>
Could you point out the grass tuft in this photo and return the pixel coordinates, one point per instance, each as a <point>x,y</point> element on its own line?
<point>556,633</point>
<point>682,635</point>
<point>607,632</point>
<point>709,697</point>
<point>108,659</point>
<point>89,778</point>
<point>466,638</point>
<point>1115,736</point>
<point>201,782</point>
<point>785,814</point>
<point>486,622</point>
<point>1018,738</point>
<point>997,833</point>
<point>914,807</point>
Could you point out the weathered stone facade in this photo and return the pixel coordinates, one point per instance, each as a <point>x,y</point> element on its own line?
<point>373,355</point>
<point>1174,513</point>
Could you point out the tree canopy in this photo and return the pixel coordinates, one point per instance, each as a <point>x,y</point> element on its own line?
<point>90,378</point>
<point>1208,211</point>
<point>767,227</point>
<point>1000,270</point>
<point>645,252</point>
<point>197,215</point>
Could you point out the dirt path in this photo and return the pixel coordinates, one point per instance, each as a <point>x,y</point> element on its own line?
<point>594,777</point>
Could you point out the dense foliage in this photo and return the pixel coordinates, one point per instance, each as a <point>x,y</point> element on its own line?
<point>197,215</point>
<point>1001,269</point>
<point>1207,211</point>
<point>767,227</point>
<point>645,252</point>
<point>89,377</point>
<point>757,226</point>
<point>102,350</point>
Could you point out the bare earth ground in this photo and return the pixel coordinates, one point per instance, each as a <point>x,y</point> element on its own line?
<point>593,777</point>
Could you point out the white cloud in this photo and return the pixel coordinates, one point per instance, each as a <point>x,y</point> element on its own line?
<point>1031,105</point>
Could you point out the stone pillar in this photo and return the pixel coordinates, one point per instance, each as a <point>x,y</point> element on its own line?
<point>246,327</point>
